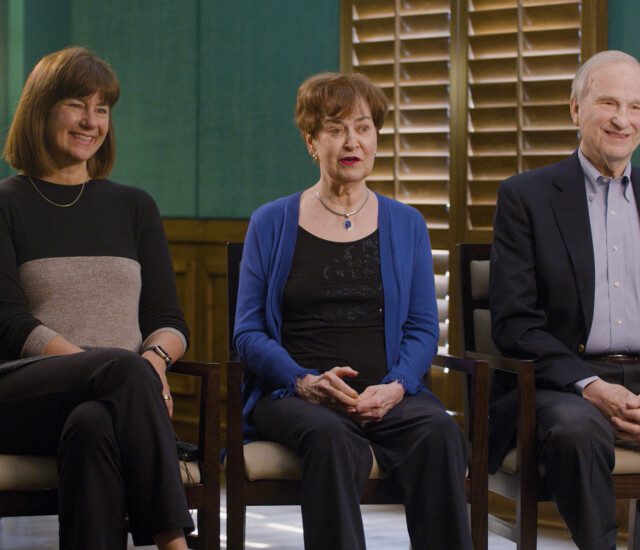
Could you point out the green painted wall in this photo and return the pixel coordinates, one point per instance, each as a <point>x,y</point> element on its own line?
<point>624,18</point>
<point>46,28</point>
<point>205,120</point>
<point>153,47</point>
<point>256,56</point>
<point>28,29</point>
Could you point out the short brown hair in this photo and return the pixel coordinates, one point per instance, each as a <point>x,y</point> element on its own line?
<point>73,72</point>
<point>334,95</point>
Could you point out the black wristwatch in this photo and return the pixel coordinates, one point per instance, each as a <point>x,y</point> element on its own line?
<point>158,350</point>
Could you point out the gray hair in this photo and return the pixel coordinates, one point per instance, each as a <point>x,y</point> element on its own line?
<point>582,80</point>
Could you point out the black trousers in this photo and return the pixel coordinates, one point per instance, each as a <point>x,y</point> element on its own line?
<point>102,414</point>
<point>417,444</point>
<point>576,448</point>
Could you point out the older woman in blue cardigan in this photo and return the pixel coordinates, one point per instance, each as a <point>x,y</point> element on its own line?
<point>337,323</point>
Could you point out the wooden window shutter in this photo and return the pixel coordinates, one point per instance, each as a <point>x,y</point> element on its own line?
<point>479,91</point>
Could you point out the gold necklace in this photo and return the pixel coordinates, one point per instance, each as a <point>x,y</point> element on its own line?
<point>348,225</point>
<point>55,203</point>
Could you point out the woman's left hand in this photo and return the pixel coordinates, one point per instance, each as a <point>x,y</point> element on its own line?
<point>376,401</point>
<point>161,368</point>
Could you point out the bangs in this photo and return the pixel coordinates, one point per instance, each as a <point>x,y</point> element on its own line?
<point>84,78</point>
<point>338,100</point>
<point>337,95</point>
<point>73,72</point>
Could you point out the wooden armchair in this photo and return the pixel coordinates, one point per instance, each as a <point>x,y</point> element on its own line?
<point>266,473</point>
<point>28,483</point>
<point>519,478</point>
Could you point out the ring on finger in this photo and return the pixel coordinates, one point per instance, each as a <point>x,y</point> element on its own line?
<point>167,396</point>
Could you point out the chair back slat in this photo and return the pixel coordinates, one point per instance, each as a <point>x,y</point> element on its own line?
<point>234,256</point>
<point>474,298</point>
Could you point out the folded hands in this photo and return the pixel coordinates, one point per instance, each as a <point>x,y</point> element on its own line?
<point>329,389</point>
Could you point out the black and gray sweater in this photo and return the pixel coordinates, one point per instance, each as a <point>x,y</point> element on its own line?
<point>97,273</point>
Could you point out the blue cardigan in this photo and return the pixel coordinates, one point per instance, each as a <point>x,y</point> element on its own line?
<point>410,310</point>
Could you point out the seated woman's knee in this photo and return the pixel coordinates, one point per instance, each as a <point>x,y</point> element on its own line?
<point>129,367</point>
<point>329,432</point>
<point>89,422</point>
<point>441,426</point>
<point>446,434</point>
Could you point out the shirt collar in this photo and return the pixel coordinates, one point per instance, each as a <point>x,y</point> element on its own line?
<point>591,175</point>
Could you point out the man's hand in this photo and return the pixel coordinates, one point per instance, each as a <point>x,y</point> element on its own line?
<point>376,401</point>
<point>618,404</point>
<point>329,389</point>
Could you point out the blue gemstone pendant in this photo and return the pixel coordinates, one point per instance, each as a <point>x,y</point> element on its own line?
<point>347,225</point>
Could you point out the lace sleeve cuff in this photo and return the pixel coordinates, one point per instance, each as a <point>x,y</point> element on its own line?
<point>291,385</point>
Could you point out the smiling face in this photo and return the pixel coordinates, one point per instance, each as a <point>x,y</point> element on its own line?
<point>76,128</point>
<point>608,116</point>
<point>345,146</point>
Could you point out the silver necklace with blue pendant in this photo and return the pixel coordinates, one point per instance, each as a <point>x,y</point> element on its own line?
<point>348,224</point>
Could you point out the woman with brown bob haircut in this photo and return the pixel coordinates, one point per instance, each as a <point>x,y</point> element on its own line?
<point>337,324</point>
<point>89,317</point>
<point>72,72</point>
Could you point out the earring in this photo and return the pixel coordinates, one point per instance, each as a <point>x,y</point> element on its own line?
<point>315,157</point>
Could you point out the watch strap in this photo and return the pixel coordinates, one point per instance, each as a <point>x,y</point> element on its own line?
<point>160,351</point>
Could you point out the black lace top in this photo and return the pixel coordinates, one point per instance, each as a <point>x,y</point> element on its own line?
<point>333,307</point>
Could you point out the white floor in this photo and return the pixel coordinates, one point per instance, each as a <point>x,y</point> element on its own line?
<point>274,527</point>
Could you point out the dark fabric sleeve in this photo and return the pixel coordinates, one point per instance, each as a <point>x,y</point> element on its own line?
<point>159,306</point>
<point>16,323</point>
<point>262,352</point>
<point>519,324</point>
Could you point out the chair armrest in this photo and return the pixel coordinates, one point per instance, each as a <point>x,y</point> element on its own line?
<point>468,366</point>
<point>209,422</point>
<point>194,368</point>
<point>523,369</point>
<point>507,364</point>
<point>477,378</point>
<point>476,375</point>
<point>477,399</point>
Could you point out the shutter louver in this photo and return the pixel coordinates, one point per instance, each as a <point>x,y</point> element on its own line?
<point>521,56</point>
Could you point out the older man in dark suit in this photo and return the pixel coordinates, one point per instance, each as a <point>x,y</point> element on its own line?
<point>565,292</point>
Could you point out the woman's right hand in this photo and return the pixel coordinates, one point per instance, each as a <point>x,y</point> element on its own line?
<point>329,389</point>
<point>161,368</point>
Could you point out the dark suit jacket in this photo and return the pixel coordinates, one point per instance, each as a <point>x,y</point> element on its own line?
<point>542,284</point>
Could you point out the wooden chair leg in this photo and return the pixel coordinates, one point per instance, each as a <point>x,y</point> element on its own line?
<point>527,524</point>
<point>633,542</point>
<point>209,523</point>
<point>480,523</point>
<point>236,514</point>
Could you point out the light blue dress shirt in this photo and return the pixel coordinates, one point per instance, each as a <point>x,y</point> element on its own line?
<point>615,231</point>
